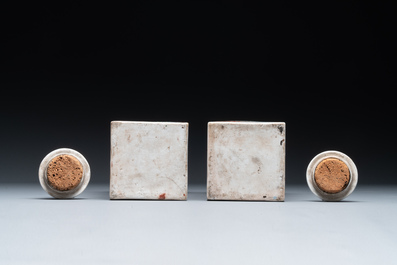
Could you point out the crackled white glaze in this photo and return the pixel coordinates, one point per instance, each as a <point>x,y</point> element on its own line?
<point>148,160</point>
<point>246,161</point>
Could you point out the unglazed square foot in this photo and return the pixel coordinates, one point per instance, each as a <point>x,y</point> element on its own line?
<point>246,161</point>
<point>148,160</point>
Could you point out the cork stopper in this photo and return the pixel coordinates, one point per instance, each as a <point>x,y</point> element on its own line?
<point>64,172</point>
<point>332,175</point>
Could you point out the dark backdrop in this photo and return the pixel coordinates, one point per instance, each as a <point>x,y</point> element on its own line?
<point>326,69</point>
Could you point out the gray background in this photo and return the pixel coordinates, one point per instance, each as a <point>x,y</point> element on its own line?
<point>91,229</point>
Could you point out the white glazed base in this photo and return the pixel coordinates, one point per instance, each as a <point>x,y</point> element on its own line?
<point>148,160</point>
<point>246,161</point>
<point>67,194</point>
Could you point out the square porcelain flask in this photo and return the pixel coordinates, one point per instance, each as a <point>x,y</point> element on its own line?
<point>246,161</point>
<point>148,160</point>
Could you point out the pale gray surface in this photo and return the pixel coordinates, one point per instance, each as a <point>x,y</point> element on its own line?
<point>91,229</point>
